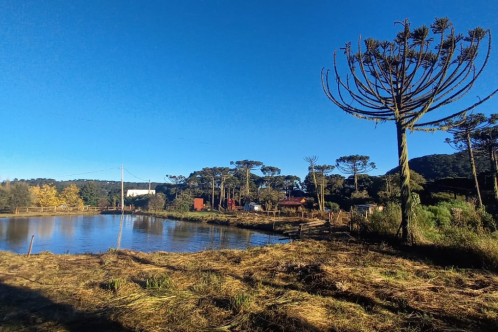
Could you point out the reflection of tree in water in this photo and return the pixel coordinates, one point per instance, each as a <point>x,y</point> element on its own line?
<point>150,225</point>
<point>67,225</point>
<point>45,227</point>
<point>17,231</point>
<point>182,230</point>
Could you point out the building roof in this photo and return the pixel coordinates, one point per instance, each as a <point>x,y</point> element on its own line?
<point>293,201</point>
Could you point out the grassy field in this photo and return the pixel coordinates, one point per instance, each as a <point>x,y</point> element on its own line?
<point>300,286</point>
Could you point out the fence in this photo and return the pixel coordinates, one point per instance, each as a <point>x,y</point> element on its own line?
<point>39,209</point>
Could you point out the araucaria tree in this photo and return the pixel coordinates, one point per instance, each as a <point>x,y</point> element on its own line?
<point>245,167</point>
<point>354,165</point>
<point>486,140</point>
<point>402,80</point>
<point>462,131</point>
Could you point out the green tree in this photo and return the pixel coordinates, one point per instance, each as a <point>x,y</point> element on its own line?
<point>245,167</point>
<point>90,193</point>
<point>178,181</point>
<point>404,79</point>
<point>20,196</point>
<point>486,140</point>
<point>322,172</point>
<point>312,161</point>
<point>157,202</point>
<point>354,165</point>
<point>462,131</point>
<point>224,173</point>
<point>183,202</point>
<point>4,195</point>
<point>291,182</point>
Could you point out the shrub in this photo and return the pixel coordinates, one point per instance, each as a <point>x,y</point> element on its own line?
<point>442,216</point>
<point>387,221</point>
<point>334,207</point>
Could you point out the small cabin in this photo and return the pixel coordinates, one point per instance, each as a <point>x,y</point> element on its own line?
<point>368,208</point>
<point>293,203</point>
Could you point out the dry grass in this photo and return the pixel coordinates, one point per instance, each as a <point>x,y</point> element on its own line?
<point>299,286</point>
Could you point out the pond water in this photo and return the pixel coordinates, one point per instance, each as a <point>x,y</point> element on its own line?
<point>83,234</point>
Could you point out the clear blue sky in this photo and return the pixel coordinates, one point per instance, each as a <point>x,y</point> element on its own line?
<point>169,87</point>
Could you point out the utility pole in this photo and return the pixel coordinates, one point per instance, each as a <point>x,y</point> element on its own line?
<point>122,191</point>
<point>149,187</point>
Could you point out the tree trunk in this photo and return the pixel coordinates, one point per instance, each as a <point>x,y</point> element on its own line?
<point>323,192</point>
<point>406,199</point>
<point>221,195</point>
<point>492,156</point>
<point>355,182</point>
<point>212,196</point>
<point>474,170</point>
<point>316,188</point>
<point>248,174</point>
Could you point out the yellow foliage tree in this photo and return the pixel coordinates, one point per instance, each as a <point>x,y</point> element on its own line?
<point>45,196</point>
<point>71,196</point>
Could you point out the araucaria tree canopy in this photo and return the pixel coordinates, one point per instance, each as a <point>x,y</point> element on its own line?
<point>402,80</point>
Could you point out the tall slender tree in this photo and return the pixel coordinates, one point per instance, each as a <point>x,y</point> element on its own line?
<point>462,130</point>
<point>355,165</point>
<point>210,175</point>
<point>486,140</point>
<point>323,171</point>
<point>312,167</point>
<point>177,180</point>
<point>224,173</point>
<point>402,80</point>
<point>245,167</point>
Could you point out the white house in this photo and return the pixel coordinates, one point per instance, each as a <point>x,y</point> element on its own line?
<point>139,192</point>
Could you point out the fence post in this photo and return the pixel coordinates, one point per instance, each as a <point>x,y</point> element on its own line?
<point>31,245</point>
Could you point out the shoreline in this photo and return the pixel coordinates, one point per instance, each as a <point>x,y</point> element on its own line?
<point>48,214</point>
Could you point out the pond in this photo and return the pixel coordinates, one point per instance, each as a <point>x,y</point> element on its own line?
<point>94,234</point>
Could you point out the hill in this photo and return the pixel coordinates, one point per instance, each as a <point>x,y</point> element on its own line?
<point>439,166</point>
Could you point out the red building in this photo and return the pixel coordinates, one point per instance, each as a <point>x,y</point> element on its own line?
<point>293,203</point>
<point>198,204</point>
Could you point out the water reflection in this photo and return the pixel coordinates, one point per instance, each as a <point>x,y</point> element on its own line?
<point>147,224</point>
<point>17,232</point>
<point>80,234</point>
<point>120,231</point>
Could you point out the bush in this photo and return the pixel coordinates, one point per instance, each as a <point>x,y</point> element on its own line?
<point>334,207</point>
<point>483,245</point>
<point>442,216</point>
<point>385,222</point>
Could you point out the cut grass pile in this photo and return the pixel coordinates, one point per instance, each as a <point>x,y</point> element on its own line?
<point>299,286</point>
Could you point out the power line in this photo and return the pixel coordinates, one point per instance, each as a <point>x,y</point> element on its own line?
<point>127,171</point>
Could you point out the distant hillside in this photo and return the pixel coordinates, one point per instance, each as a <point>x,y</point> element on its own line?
<point>439,166</point>
<point>106,187</point>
